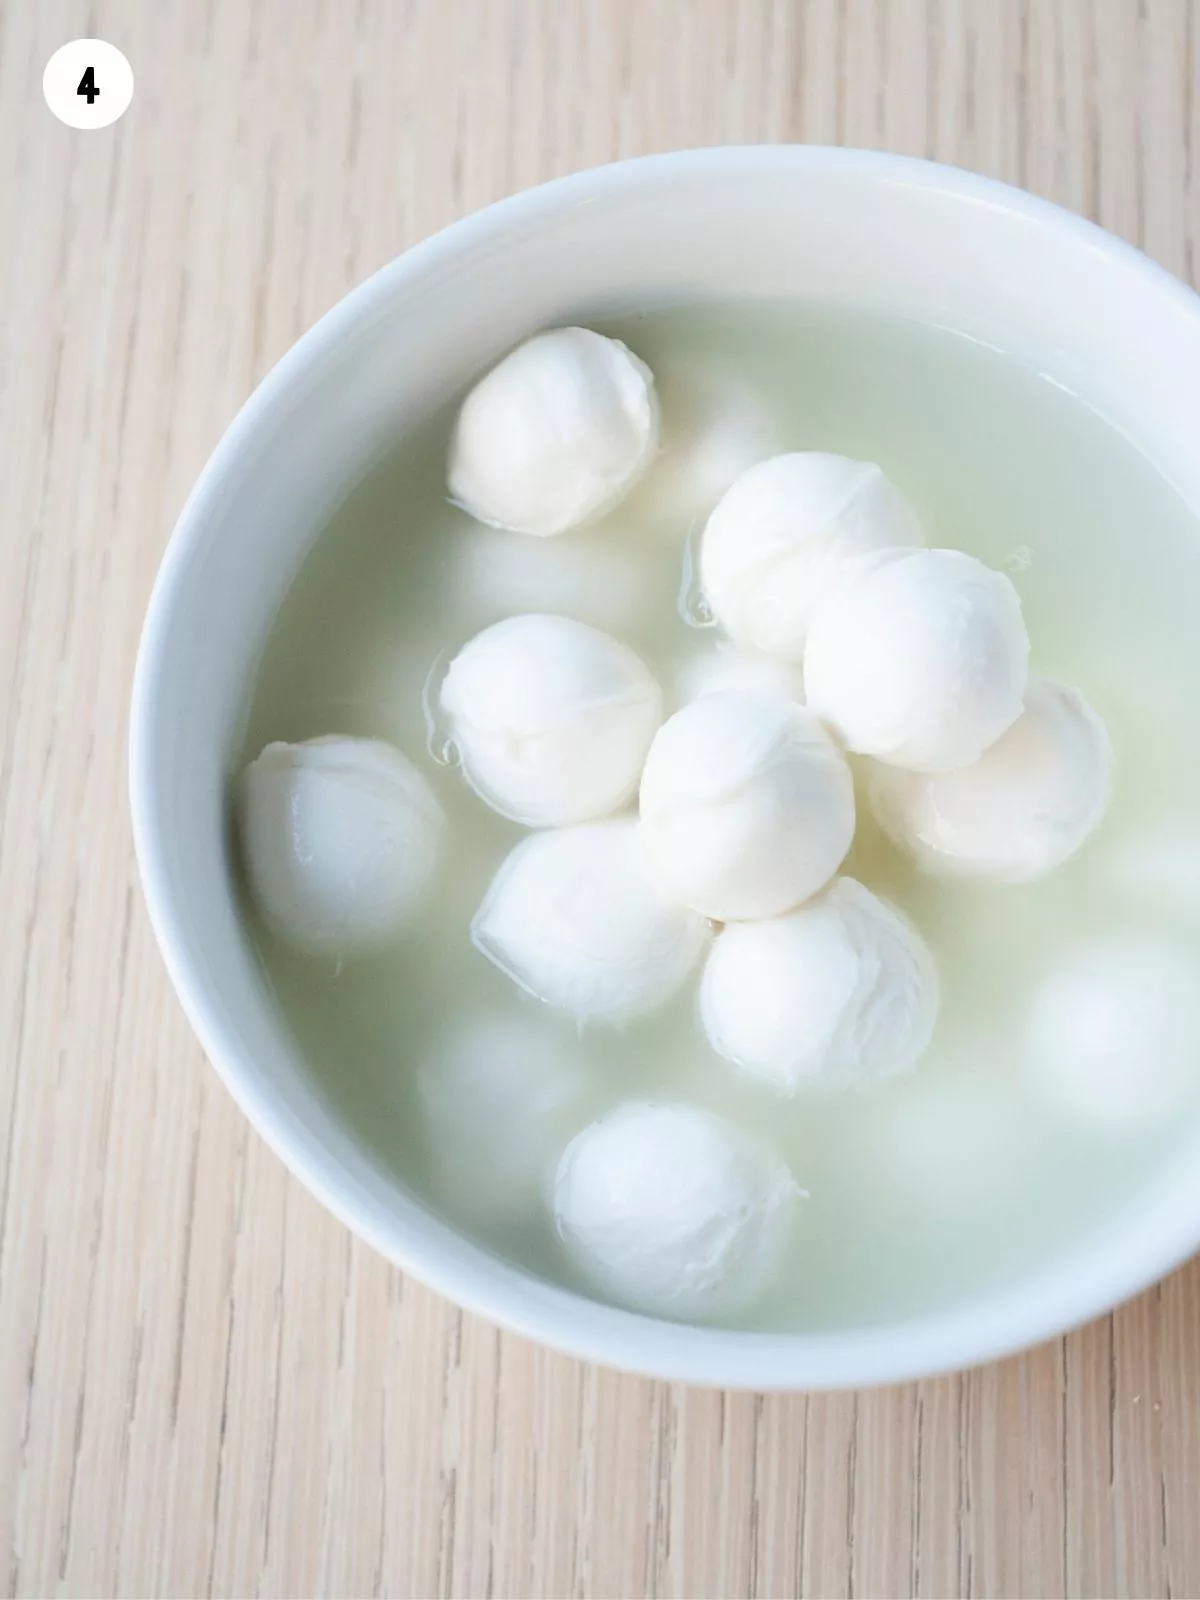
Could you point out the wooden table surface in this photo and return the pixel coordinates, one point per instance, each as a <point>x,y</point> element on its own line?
<point>206,1385</point>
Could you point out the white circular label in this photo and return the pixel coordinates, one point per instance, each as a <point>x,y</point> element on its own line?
<point>88,83</point>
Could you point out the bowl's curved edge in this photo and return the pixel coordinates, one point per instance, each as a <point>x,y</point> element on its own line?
<point>992,1327</point>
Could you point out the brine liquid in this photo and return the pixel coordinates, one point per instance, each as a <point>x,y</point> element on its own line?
<point>960,1176</point>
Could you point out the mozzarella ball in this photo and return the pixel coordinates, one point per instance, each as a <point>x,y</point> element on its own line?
<point>839,994</point>
<point>552,719</point>
<point>713,427</point>
<point>669,1209</point>
<point>920,660</point>
<point>1114,1032</point>
<point>728,666</point>
<point>497,1097</point>
<point>341,839</point>
<point>778,544</point>
<point>747,805</point>
<point>593,576</point>
<point>556,434</point>
<point>573,917</point>
<point>1018,812</point>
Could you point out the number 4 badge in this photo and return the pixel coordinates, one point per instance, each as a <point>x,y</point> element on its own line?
<point>88,83</point>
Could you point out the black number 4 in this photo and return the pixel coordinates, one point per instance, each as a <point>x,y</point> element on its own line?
<point>87,86</point>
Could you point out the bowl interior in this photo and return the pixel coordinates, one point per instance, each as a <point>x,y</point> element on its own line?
<point>866,230</point>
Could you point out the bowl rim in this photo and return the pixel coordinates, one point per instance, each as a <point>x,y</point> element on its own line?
<point>1085,1283</point>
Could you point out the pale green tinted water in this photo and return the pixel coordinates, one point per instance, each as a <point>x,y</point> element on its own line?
<point>959,1176</point>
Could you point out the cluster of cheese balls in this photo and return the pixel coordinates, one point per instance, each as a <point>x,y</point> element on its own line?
<point>915,658</point>
<point>714,834</point>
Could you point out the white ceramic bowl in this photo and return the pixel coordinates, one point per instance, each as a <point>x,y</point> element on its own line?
<point>850,226</point>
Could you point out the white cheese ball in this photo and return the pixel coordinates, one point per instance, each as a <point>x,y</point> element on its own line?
<point>574,918</point>
<point>921,660</point>
<point>556,434</point>
<point>552,719</point>
<point>840,994</point>
<point>778,544</point>
<point>497,1097</point>
<point>714,426</point>
<point>341,839</point>
<point>728,666</point>
<point>670,1210</point>
<point>593,576</point>
<point>1114,1032</point>
<point>1018,812</point>
<point>747,805</point>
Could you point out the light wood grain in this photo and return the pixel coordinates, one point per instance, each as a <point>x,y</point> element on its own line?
<point>206,1385</point>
